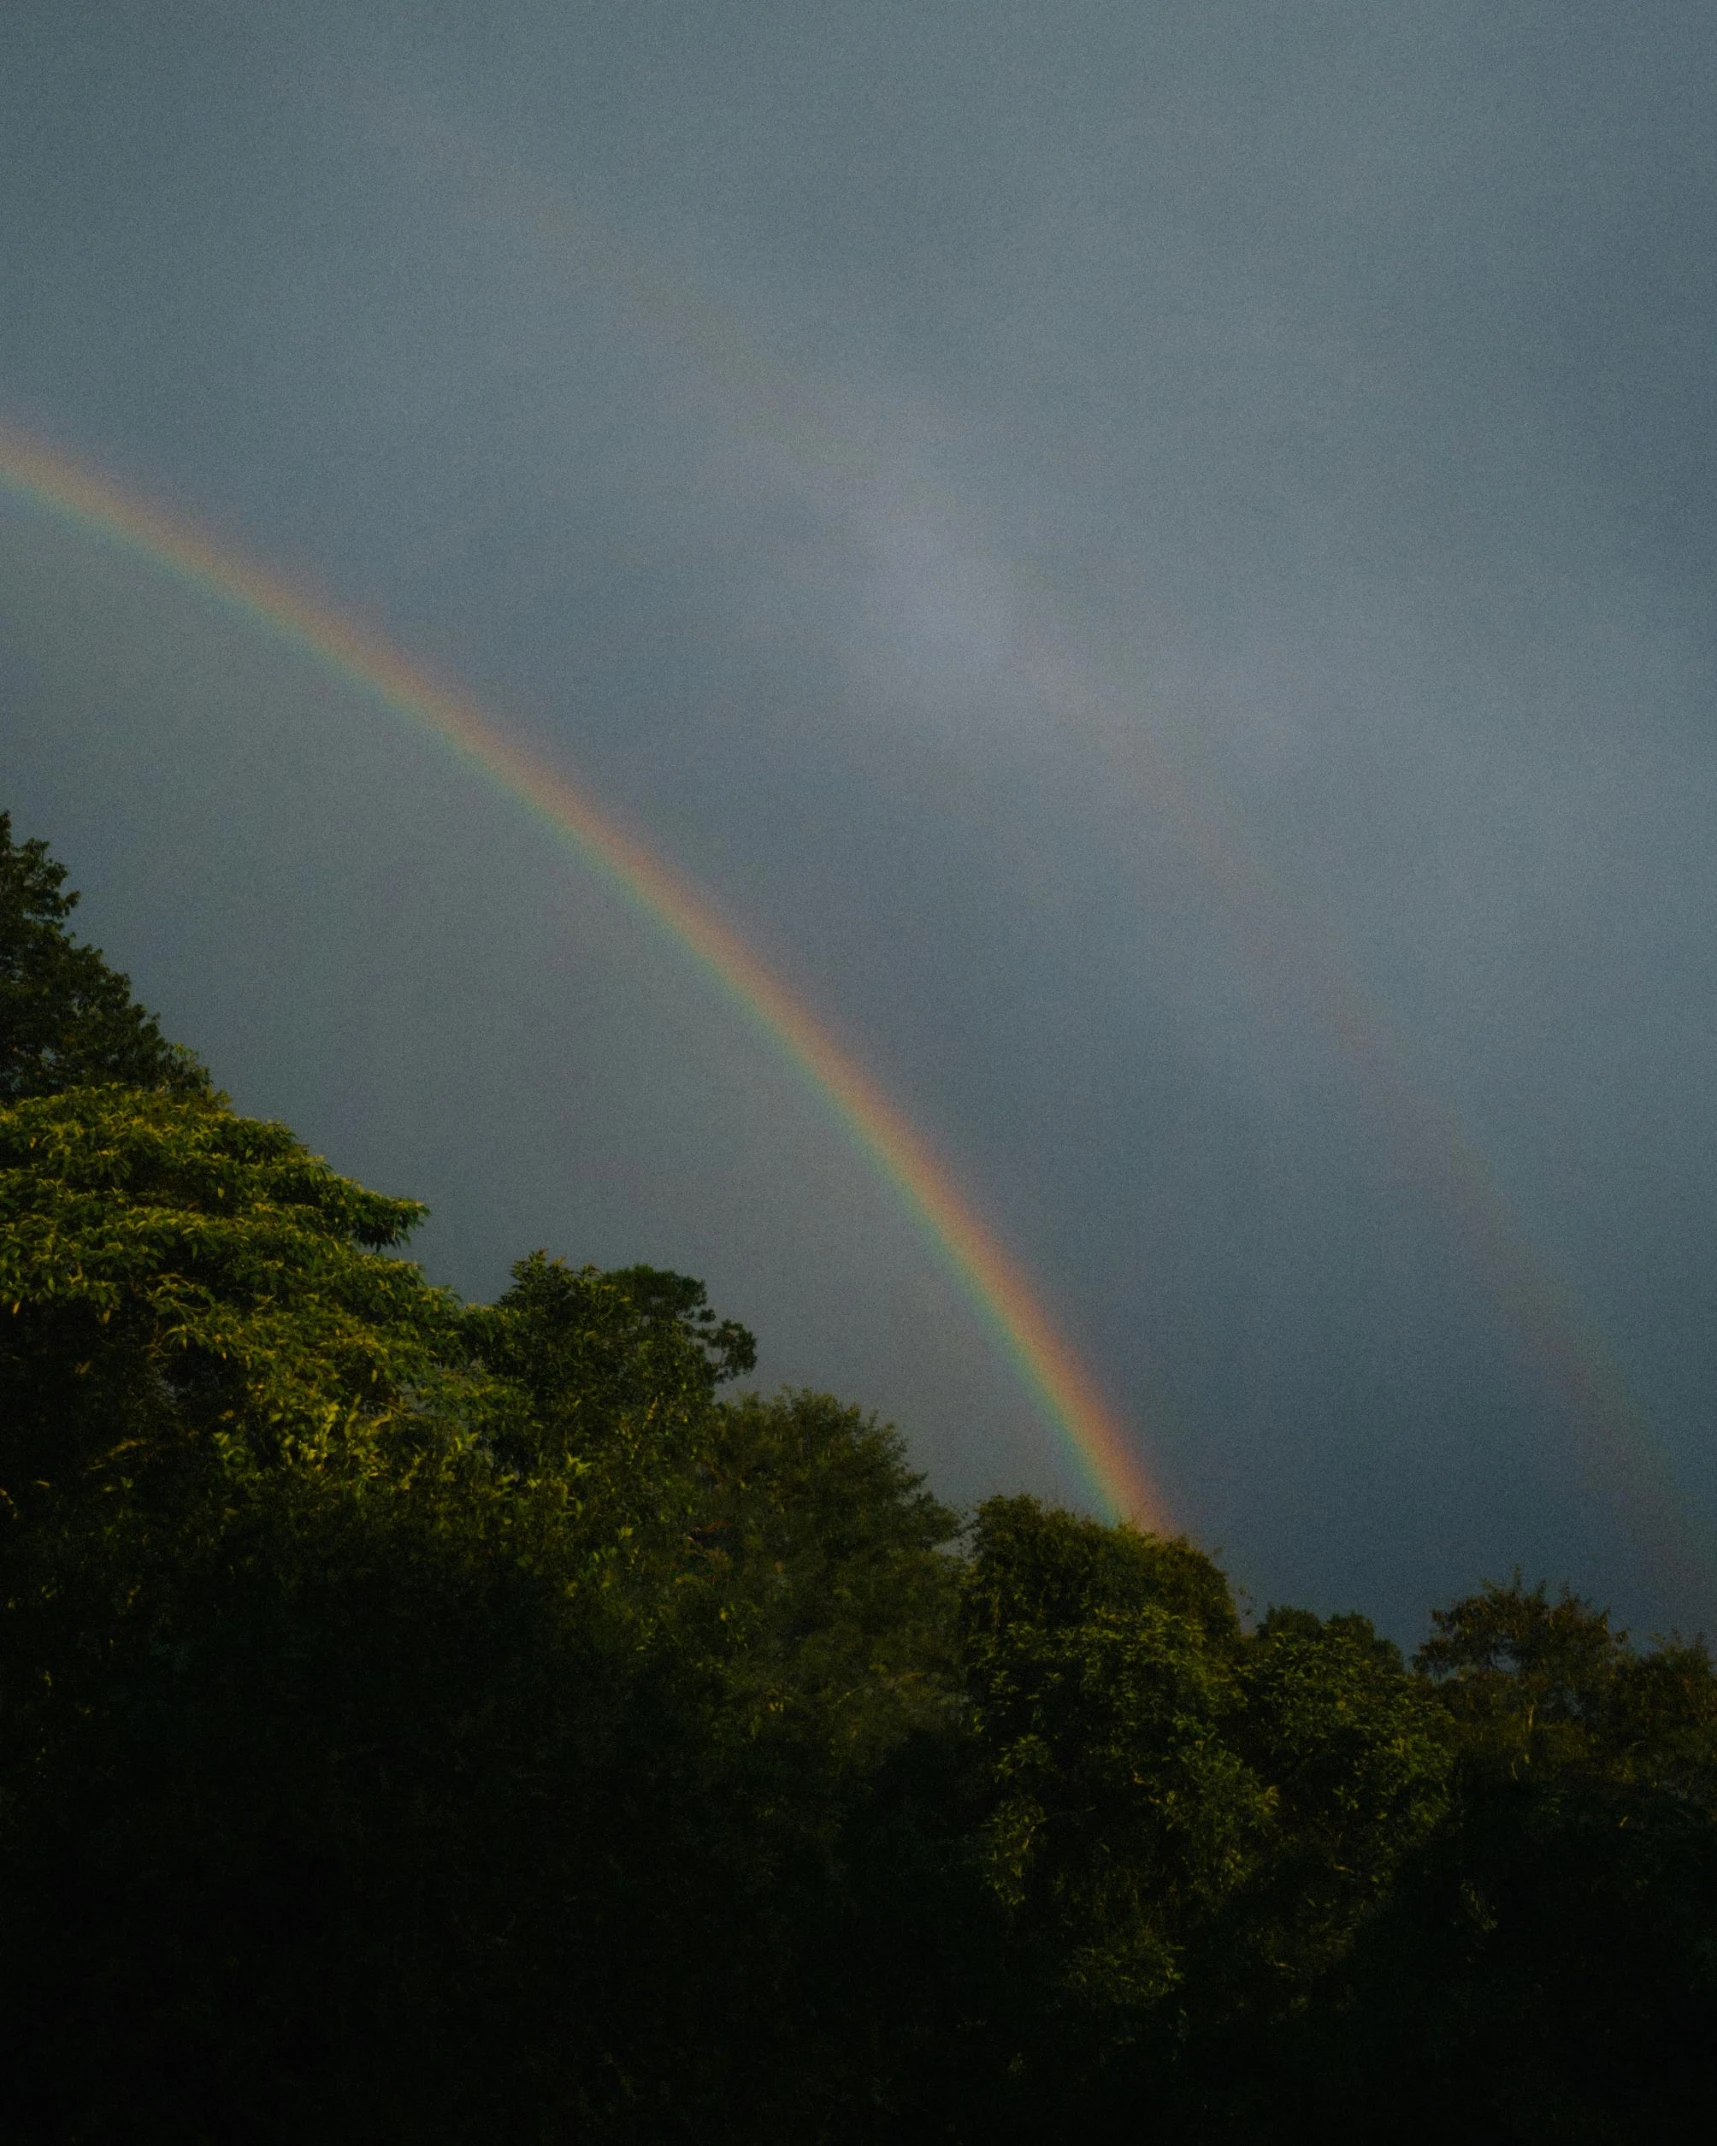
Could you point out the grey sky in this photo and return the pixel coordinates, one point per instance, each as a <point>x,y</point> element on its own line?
<point>1156,560</point>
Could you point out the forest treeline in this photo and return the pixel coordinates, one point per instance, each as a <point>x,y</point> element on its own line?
<point>426,1721</point>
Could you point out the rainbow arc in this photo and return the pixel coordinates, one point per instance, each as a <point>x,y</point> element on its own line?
<point>989,1276</point>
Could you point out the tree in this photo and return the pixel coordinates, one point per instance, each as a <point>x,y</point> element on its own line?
<point>66,1018</point>
<point>1543,1969</point>
<point>1102,1666</point>
<point>183,1289</point>
<point>444,1722</point>
<point>424,1720</point>
<point>1354,1756</point>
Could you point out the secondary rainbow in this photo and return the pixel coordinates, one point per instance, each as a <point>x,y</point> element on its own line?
<point>990,1277</point>
<point>1276,933</point>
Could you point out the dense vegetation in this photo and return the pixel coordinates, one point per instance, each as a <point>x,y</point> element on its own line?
<point>431,1722</point>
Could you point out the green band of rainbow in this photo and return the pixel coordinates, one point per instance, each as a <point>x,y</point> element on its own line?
<point>993,1281</point>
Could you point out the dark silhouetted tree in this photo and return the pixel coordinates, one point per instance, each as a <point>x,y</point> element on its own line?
<point>66,1018</point>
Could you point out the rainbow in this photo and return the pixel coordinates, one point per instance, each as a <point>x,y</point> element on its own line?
<point>988,1275</point>
<point>1275,930</point>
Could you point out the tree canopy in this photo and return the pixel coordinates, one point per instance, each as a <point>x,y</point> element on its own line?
<point>428,1721</point>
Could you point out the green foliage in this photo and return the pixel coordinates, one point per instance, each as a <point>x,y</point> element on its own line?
<point>1544,1968</point>
<point>1549,1689</point>
<point>1356,1755</point>
<point>432,1722</point>
<point>1354,1758</point>
<point>614,1378</point>
<point>66,1018</point>
<point>182,1287</point>
<point>1102,1671</point>
<point>823,1547</point>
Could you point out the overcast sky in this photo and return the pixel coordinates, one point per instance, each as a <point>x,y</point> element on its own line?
<point>1156,560</point>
